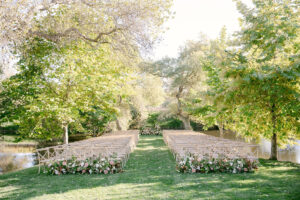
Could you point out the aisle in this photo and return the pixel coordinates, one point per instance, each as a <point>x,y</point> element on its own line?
<point>150,157</point>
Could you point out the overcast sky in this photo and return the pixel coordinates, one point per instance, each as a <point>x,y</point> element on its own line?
<point>194,17</point>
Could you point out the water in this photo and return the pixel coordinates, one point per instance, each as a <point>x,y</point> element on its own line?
<point>291,153</point>
<point>15,158</point>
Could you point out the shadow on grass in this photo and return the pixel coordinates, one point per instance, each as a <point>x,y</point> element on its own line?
<point>150,174</point>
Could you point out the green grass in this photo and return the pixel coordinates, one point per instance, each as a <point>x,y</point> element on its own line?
<point>150,174</point>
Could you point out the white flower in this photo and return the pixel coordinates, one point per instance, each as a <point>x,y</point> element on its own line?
<point>81,164</point>
<point>56,172</point>
<point>234,171</point>
<point>231,164</point>
<point>50,165</point>
<point>97,165</point>
<point>90,171</point>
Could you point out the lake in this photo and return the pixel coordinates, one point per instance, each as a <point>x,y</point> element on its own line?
<point>16,157</point>
<point>291,153</point>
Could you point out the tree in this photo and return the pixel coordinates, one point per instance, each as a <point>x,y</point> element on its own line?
<point>145,92</point>
<point>126,26</point>
<point>182,76</point>
<point>264,87</point>
<point>206,106</point>
<point>71,80</point>
<point>83,61</point>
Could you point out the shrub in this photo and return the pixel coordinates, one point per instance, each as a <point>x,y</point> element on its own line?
<point>158,119</point>
<point>206,164</point>
<point>98,165</point>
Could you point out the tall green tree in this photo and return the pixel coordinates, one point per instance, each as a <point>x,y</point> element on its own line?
<point>264,73</point>
<point>72,79</point>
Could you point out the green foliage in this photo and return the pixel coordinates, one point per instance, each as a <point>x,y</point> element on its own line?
<point>156,122</point>
<point>96,121</point>
<point>207,106</point>
<point>253,89</point>
<point>267,102</point>
<point>263,94</point>
<point>19,90</point>
<point>171,123</point>
<point>135,118</point>
<point>56,85</point>
<point>152,119</point>
<point>9,130</point>
<point>164,122</point>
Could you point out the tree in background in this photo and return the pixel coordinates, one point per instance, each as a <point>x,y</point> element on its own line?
<point>183,77</point>
<point>146,93</point>
<point>207,104</point>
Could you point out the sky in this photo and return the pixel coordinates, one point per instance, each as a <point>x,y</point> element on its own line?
<point>193,17</point>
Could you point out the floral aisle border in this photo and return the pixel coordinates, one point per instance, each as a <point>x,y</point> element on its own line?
<point>98,165</point>
<point>194,164</point>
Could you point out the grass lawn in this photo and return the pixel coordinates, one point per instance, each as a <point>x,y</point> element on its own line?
<point>150,174</point>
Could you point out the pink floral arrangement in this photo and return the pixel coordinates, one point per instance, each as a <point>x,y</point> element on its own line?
<point>206,164</point>
<point>99,165</point>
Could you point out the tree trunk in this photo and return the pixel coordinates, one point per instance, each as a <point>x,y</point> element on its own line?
<point>186,122</point>
<point>274,147</point>
<point>221,128</point>
<point>119,128</point>
<point>66,134</point>
<point>184,118</point>
<point>274,136</point>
